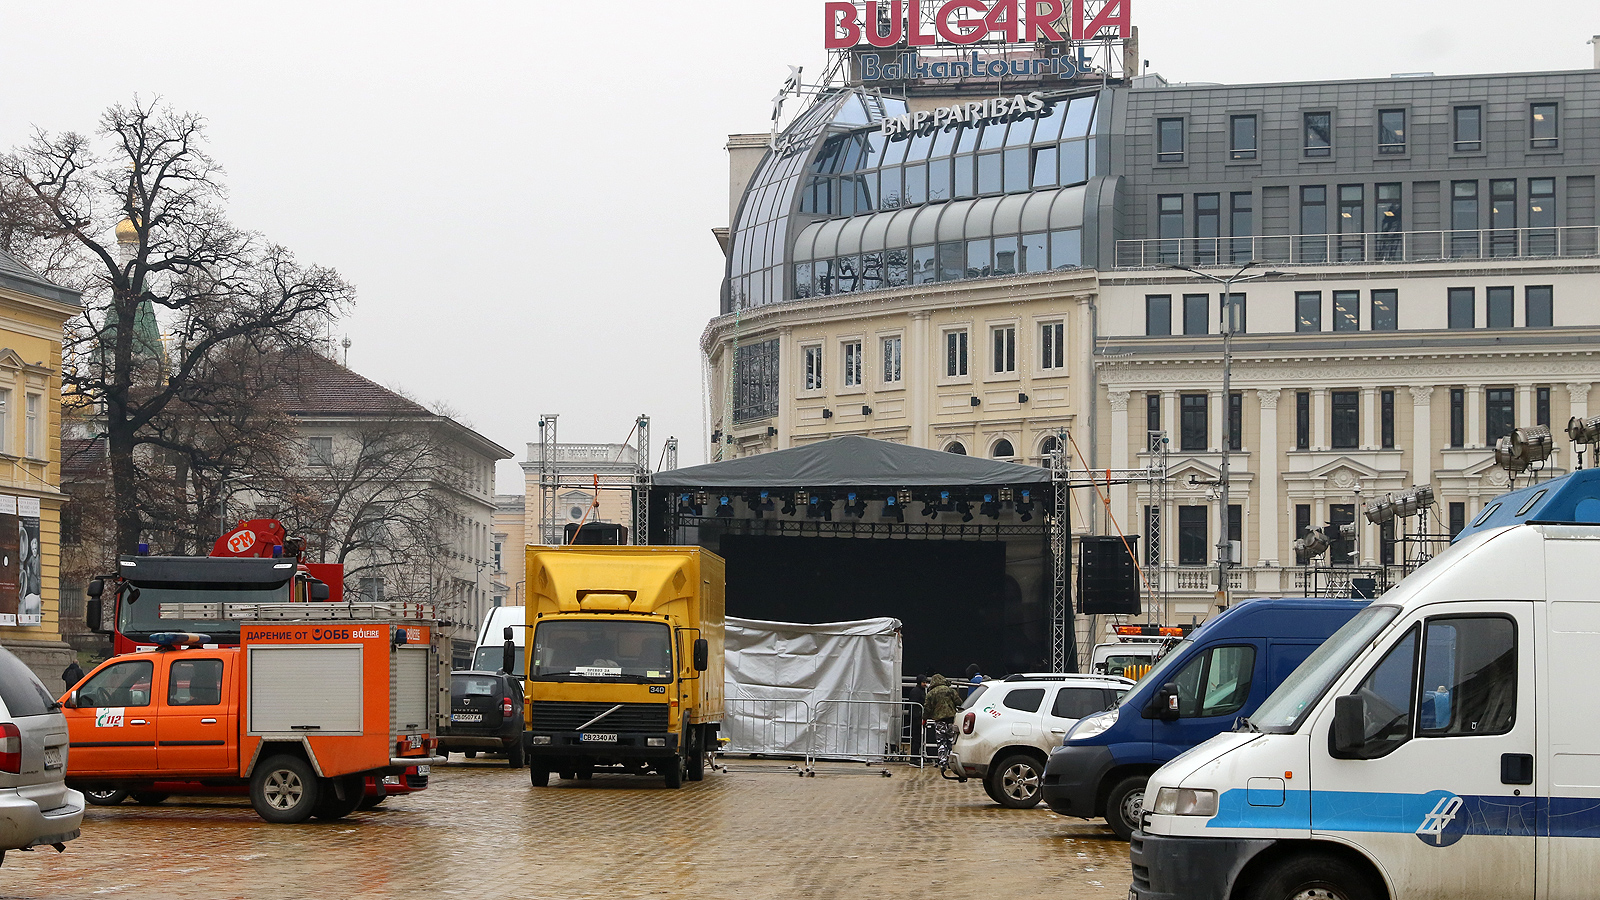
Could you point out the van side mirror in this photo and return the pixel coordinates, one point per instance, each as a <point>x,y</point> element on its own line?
<point>71,701</point>
<point>1164,705</point>
<point>319,591</point>
<point>702,654</point>
<point>508,633</point>
<point>1348,738</point>
<point>96,588</point>
<point>508,656</point>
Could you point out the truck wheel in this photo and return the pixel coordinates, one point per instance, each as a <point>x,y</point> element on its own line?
<point>1014,782</point>
<point>284,790</point>
<point>105,796</point>
<point>673,770</point>
<point>149,798</point>
<point>1321,877</point>
<point>371,801</point>
<point>516,755</point>
<point>330,807</point>
<point>1124,806</point>
<point>697,753</point>
<point>539,777</point>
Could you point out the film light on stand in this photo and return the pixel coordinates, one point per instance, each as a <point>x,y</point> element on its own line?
<point>1414,501</point>
<point>1584,431</point>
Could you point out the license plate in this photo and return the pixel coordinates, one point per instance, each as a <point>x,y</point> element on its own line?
<point>52,757</point>
<point>424,770</point>
<point>413,741</point>
<point>466,717</point>
<point>597,738</point>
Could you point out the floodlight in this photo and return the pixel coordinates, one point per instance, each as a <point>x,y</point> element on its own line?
<point>788,506</point>
<point>766,503</point>
<point>1414,501</point>
<point>824,507</point>
<point>856,505</point>
<point>1312,545</point>
<point>965,509</point>
<point>1507,457</point>
<point>893,509</point>
<point>1381,512</point>
<point>1584,431</point>
<point>1005,495</point>
<point>1347,530</point>
<point>990,507</point>
<point>724,508</point>
<point>902,496</point>
<point>1533,443</point>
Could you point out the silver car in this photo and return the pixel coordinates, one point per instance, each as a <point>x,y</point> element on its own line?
<point>36,806</point>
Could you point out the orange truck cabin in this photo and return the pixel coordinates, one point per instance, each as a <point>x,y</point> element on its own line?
<point>301,711</point>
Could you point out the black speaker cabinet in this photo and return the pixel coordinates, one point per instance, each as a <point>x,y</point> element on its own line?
<point>1108,583</point>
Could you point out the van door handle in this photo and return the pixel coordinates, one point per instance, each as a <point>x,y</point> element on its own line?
<point>1516,768</point>
<point>137,722</point>
<point>208,721</point>
<point>1058,731</point>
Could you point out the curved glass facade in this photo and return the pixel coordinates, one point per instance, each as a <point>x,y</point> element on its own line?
<point>841,207</point>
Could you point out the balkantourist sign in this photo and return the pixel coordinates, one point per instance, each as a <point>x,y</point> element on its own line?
<point>890,23</point>
<point>995,109</point>
<point>906,66</point>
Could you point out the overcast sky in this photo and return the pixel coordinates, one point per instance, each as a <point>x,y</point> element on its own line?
<point>524,197</point>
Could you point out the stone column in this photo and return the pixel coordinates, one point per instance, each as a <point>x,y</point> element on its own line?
<point>1169,418</point>
<point>1269,519</point>
<point>1119,455</point>
<point>1216,411</point>
<point>1579,392</point>
<point>1475,427</point>
<point>1525,410</point>
<point>1421,434</point>
<point>1369,419</point>
<point>1319,419</point>
<point>921,362</point>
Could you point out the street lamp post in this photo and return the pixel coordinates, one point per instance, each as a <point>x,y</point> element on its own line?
<point>1224,546</point>
<point>222,500</point>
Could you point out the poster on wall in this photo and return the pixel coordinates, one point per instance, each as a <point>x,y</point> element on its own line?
<point>30,567</point>
<point>10,561</point>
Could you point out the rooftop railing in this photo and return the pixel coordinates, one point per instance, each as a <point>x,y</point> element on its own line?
<point>1567,242</point>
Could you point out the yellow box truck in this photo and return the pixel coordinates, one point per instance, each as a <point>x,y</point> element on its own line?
<point>624,660</point>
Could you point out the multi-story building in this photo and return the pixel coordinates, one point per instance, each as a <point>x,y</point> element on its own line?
<point>574,497</point>
<point>509,536</point>
<point>1428,255</point>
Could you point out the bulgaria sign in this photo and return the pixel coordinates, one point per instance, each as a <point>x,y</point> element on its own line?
<point>886,23</point>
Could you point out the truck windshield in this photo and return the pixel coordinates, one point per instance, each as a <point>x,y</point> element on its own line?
<point>143,617</point>
<point>1159,671</point>
<point>605,651</point>
<point>489,657</point>
<point>1287,707</point>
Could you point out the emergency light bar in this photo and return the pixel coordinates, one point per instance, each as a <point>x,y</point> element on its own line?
<point>1152,630</point>
<point>172,640</point>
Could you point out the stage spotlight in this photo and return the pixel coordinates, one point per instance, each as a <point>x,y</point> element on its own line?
<point>812,509</point>
<point>1312,545</point>
<point>893,509</point>
<point>1533,443</point>
<point>1507,457</point>
<point>902,496</point>
<point>724,509</point>
<point>1005,495</point>
<point>1025,505</point>
<point>1414,501</point>
<point>766,505</point>
<point>788,506</point>
<point>965,509</point>
<point>1584,431</point>
<point>1381,511</point>
<point>824,507</point>
<point>990,507</point>
<point>855,505</point>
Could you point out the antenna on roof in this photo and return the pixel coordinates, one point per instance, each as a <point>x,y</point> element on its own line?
<point>346,345</point>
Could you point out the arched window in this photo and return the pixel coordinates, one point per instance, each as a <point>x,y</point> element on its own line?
<point>1003,450</point>
<point>1048,447</point>
<point>956,448</point>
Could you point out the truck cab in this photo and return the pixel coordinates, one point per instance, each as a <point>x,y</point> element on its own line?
<point>1221,672</point>
<point>173,714</point>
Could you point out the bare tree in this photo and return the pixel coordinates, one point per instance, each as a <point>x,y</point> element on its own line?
<point>221,294</point>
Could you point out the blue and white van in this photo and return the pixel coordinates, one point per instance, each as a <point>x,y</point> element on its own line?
<point>1444,743</point>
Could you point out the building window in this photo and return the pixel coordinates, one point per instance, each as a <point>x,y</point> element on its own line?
<point>1352,223</point>
<point>1233,316</point>
<point>1386,542</point>
<point>1242,225</point>
<point>1192,535</point>
<point>1196,312</point>
<point>1242,137</point>
<point>5,420</point>
<point>1308,311</point>
<point>1053,345</point>
<point>1541,407</point>
<point>1342,551</point>
<point>1544,119</point>
<point>1313,222</point>
<point>893,348</point>
<point>813,358</point>
<point>1170,227</point>
<point>1318,135</point>
<point>372,590</point>
<point>1003,449</point>
<point>755,374</point>
<point>1207,227</point>
<point>34,434</point>
<point>1346,420</point>
<point>1169,140</point>
<point>1302,420</point>
<point>1468,129</point>
<point>1539,306</point>
<point>1005,349</point>
<point>1503,217</point>
<point>1500,414</point>
<point>1390,222</point>
<point>956,447</point>
<point>1463,308</point>
<point>1386,310</point>
<point>1158,314</point>
<point>320,450</point>
<point>1458,518</point>
<point>1346,310</point>
<point>1236,421</point>
<point>1386,419</point>
<point>1392,131</point>
<point>1194,424</point>
<point>852,364</point>
<point>955,354</point>
<point>1152,412</point>
<point>1501,301</point>
<point>1458,417</point>
<point>1464,218</point>
<point>1235,533</point>
<point>1302,520</point>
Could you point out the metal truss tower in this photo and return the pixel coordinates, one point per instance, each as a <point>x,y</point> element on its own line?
<point>549,521</point>
<point>641,484</point>
<point>1155,555</point>
<point>1062,639</point>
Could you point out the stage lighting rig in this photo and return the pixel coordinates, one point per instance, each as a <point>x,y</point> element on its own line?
<point>724,508</point>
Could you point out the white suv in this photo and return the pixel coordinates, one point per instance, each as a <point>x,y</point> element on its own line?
<point>36,806</point>
<point>1006,729</point>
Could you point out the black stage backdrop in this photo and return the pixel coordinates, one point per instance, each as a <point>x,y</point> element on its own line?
<point>951,596</point>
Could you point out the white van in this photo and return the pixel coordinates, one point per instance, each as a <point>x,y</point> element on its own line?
<point>1444,743</point>
<point>490,652</point>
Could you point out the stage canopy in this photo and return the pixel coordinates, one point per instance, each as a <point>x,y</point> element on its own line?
<point>852,462</point>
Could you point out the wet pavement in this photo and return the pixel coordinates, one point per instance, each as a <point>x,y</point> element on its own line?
<point>756,830</point>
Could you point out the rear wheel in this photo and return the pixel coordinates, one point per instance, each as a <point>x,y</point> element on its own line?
<point>148,798</point>
<point>1124,806</point>
<point>331,806</point>
<point>696,752</point>
<point>516,755</point>
<point>539,777</point>
<point>1314,878</point>
<point>1014,782</point>
<point>284,790</point>
<point>371,800</point>
<point>673,770</point>
<point>105,796</point>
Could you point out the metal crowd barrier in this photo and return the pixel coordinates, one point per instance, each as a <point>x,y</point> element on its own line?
<point>868,731</point>
<point>759,725</point>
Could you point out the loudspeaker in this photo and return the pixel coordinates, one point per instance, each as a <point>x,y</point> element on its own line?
<point>1108,583</point>
<point>604,533</point>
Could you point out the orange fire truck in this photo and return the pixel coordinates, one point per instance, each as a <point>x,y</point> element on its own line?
<point>315,698</point>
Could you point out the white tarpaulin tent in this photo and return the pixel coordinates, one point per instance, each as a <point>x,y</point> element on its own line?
<point>830,690</point>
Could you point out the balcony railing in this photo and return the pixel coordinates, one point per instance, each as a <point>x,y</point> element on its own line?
<point>1332,581</point>
<point>1574,241</point>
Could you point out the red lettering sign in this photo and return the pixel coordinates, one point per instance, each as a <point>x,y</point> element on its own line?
<point>962,22</point>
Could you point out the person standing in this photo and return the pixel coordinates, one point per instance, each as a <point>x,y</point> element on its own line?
<point>73,674</point>
<point>943,702</point>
